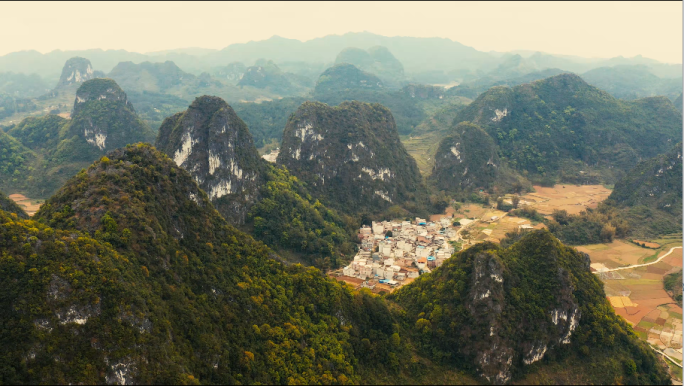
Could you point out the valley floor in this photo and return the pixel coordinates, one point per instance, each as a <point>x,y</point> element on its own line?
<point>637,293</point>
<point>29,205</point>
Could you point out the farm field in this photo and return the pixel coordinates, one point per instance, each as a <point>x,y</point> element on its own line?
<point>492,224</point>
<point>423,148</point>
<point>573,198</point>
<point>637,294</point>
<point>30,206</point>
<point>619,253</point>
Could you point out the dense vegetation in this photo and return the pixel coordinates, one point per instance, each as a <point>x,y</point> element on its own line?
<point>15,162</point>
<point>646,203</point>
<point>147,76</point>
<point>188,275</point>
<point>673,285</point>
<point>154,107</point>
<point>468,160</point>
<point>649,197</point>
<point>563,128</point>
<point>168,78</point>
<point>41,153</point>
<point>495,310</point>
<point>288,219</point>
<point>473,89</point>
<point>214,145</point>
<point>125,277</point>
<point>10,105</point>
<point>591,226</point>
<point>350,157</point>
<point>267,119</point>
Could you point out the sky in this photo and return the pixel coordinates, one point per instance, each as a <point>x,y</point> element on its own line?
<point>588,29</point>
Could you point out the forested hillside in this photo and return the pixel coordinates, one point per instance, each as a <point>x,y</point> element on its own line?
<point>498,311</point>
<point>561,128</point>
<point>649,197</point>
<point>131,252</point>
<point>162,264</point>
<point>45,151</point>
<point>350,156</point>
<point>468,160</point>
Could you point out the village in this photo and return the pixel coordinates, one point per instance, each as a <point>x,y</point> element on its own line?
<point>394,253</point>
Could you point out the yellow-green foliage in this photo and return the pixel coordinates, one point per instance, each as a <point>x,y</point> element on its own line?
<point>234,313</point>
<point>287,217</point>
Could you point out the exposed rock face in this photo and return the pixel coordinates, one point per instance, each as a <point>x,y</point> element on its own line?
<point>656,182</point>
<point>212,143</point>
<point>652,190</point>
<point>559,126</point>
<point>518,304</point>
<point>104,118</point>
<point>351,155</point>
<point>466,160</point>
<point>76,71</point>
<point>233,72</point>
<point>491,108</point>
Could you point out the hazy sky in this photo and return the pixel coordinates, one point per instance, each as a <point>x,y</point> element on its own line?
<point>590,29</point>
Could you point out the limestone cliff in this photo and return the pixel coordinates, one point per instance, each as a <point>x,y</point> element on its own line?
<point>468,160</point>
<point>349,155</point>
<point>104,118</point>
<point>499,311</point>
<point>76,71</point>
<point>212,143</point>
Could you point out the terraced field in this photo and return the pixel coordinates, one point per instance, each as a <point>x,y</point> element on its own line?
<point>637,294</point>
<point>423,148</point>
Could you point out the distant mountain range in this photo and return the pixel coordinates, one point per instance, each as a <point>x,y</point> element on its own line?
<point>416,54</point>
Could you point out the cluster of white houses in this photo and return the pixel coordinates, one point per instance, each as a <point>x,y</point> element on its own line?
<point>392,251</point>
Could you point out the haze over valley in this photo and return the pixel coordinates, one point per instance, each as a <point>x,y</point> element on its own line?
<point>348,207</point>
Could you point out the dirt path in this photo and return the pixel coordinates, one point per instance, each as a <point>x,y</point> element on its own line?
<point>641,265</point>
<point>668,357</point>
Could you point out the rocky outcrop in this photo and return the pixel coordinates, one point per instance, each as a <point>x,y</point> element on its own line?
<point>105,119</point>
<point>212,143</point>
<point>233,72</point>
<point>505,309</point>
<point>468,160</point>
<point>76,71</point>
<point>350,155</point>
<point>563,128</point>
